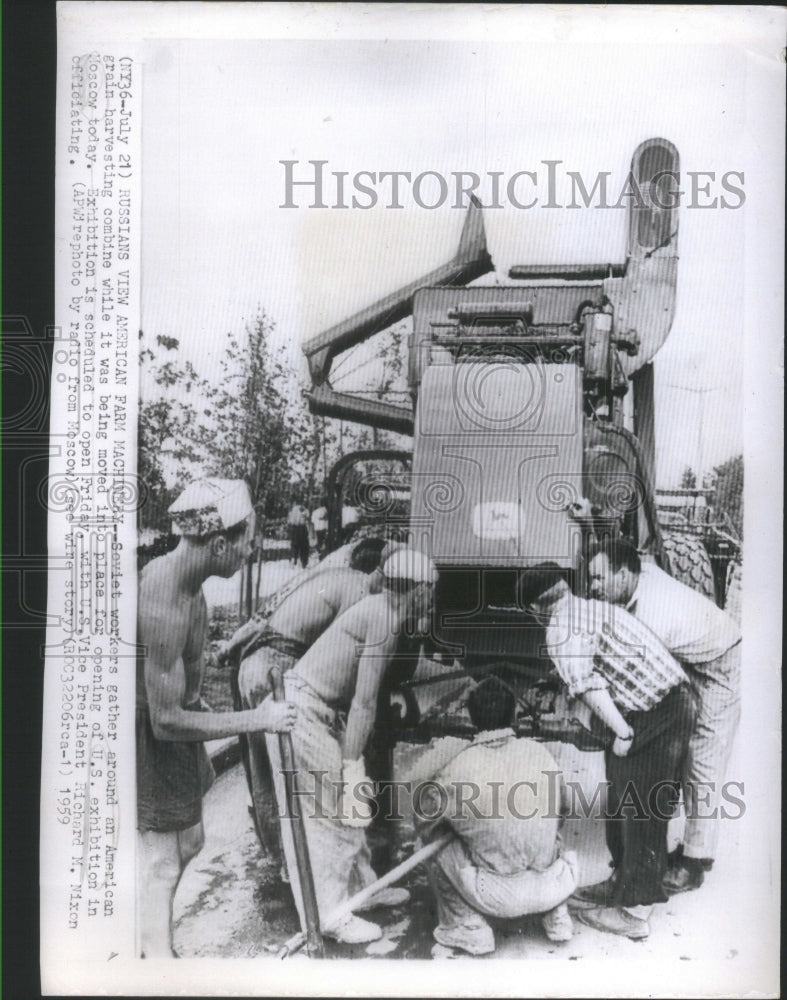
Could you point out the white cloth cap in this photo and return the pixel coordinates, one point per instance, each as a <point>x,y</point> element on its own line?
<point>209,505</point>
<point>388,551</point>
<point>409,564</point>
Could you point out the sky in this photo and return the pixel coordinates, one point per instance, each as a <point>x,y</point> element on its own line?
<point>217,246</point>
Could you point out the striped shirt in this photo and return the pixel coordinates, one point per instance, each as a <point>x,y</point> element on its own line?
<point>598,646</point>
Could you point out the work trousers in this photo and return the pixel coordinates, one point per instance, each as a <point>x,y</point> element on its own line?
<point>339,855</point>
<point>717,693</point>
<point>466,895</point>
<point>299,544</point>
<point>253,688</point>
<point>642,796</point>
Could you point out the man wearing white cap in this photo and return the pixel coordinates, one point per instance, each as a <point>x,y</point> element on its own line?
<point>341,672</point>
<point>215,518</point>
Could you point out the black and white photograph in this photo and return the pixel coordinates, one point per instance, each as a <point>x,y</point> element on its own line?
<point>415,519</point>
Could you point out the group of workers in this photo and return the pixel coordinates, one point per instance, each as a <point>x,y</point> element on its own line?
<point>651,667</point>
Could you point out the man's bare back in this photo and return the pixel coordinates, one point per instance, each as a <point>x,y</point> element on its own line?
<point>327,593</point>
<point>330,667</point>
<point>303,613</point>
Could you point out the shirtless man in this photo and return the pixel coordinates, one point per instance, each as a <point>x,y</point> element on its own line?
<point>307,610</point>
<point>341,672</point>
<point>297,622</point>
<point>216,520</point>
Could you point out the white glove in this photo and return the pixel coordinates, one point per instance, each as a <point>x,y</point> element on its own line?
<point>355,809</point>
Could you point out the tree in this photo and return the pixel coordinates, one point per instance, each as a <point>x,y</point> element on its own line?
<point>251,425</point>
<point>306,433</point>
<point>171,410</point>
<point>729,491</point>
<point>248,436</point>
<point>256,431</point>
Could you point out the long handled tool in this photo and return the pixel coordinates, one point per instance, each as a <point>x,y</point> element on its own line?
<point>298,940</point>
<point>313,937</point>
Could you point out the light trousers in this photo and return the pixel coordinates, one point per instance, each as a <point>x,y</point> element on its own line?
<point>340,857</point>
<point>716,687</point>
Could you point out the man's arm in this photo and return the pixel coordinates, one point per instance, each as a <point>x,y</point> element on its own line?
<point>601,704</point>
<point>378,647</point>
<point>166,684</point>
<point>194,647</point>
<point>571,646</point>
<point>378,650</point>
<point>253,627</point>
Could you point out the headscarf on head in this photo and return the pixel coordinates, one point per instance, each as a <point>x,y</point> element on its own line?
<point>209,505</point>
<point>409,564</point>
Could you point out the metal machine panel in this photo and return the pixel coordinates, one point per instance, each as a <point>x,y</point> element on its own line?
<point>553,303</point>
<point>497,456</point>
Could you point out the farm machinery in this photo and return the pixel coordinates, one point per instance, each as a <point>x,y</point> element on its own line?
<point>527,399</point>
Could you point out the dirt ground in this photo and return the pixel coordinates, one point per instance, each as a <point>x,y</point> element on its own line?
<point>231,902</point>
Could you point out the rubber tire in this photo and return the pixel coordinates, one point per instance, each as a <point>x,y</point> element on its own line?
<point>690,563</point>
<point>734,595</point>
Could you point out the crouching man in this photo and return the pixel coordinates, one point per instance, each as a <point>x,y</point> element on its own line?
<point>501,796</point>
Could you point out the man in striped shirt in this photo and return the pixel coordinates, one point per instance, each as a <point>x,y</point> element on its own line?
<point>640,703</point>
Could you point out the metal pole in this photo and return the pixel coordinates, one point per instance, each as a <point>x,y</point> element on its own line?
<point>248,570</point>
<point>313,936</point>
<point>297,940</point>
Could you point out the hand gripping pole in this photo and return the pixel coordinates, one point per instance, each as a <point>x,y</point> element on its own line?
<point>313,937</point>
